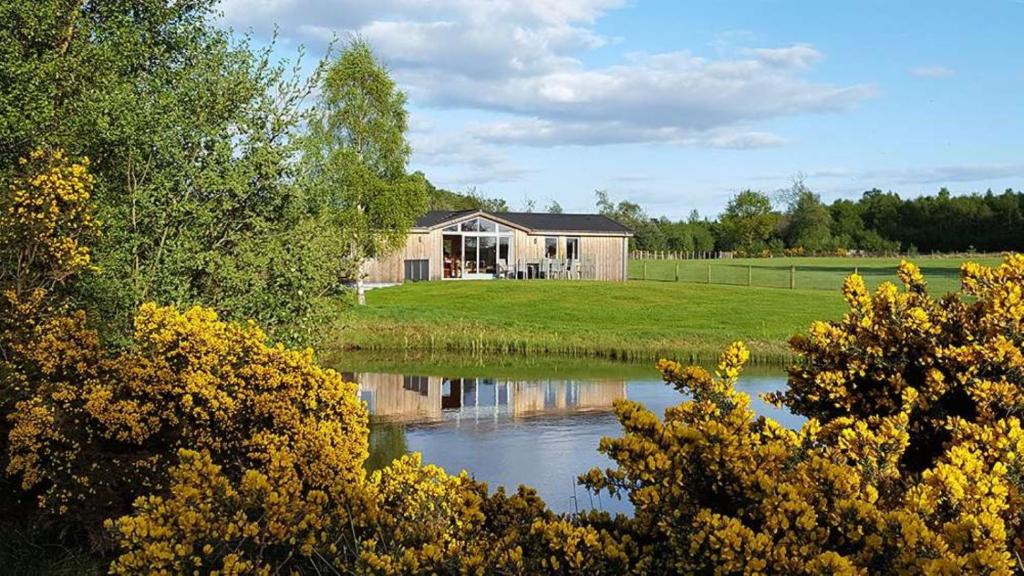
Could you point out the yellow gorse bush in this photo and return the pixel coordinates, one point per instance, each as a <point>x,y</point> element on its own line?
<point>910,462</point>
<point>99,428</point>
<point>46,221</point>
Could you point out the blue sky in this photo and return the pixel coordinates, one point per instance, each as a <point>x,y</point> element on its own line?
<point>678,105</point>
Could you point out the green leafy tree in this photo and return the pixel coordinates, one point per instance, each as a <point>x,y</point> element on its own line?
<point>809,221</point>
<point>847,225</point>
<point>554,207</point>
<point>647,234</point>
<point>189,133</point>
<point>356,155</point>
<point>748,222</point>
<point>472,199</point>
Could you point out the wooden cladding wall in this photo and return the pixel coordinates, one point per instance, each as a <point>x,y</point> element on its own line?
<point>418,246</point>
<point>607,253</point>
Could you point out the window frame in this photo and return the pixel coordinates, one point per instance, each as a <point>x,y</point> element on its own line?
<point>547,242</point>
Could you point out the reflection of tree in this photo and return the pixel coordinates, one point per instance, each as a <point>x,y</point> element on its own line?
<point>387,442</point>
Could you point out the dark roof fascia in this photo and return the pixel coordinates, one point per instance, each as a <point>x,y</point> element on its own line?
<point>552,232</point>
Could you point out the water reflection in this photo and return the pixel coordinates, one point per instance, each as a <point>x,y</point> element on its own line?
<point>542,432</point>
<point>433,399</point>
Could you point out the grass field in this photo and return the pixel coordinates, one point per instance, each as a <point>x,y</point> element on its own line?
<point>631,320</point>
<point>637,320</point>
<point>943,273</point>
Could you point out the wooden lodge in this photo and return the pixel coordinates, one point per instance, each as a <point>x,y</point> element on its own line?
<point>476,245</point>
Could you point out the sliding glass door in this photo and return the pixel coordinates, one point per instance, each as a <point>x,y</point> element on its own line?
<point>452,255</point>
<point>470,245</point>
<point>477,249</point>
<point>487,262</point>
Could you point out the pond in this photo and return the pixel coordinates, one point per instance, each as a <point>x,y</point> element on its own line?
<point>517,421</point>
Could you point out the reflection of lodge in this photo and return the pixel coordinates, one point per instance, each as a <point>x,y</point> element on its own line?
<point>433,398</point>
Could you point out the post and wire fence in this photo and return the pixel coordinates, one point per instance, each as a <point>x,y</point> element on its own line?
<point>942,271</point>
<point>809,276</point>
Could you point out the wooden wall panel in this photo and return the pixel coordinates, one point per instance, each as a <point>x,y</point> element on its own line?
<point>608,253</point>
<point>528,247</point>
<point>391,269</point>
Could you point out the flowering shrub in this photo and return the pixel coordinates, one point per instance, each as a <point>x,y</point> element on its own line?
<point>99,428</point>
<point>910,462</point>
<point>45,222</point>
<point>720,491</point>
<point>963,359</point>
<point>405,519</point>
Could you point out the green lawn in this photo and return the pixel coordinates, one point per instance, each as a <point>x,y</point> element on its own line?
<point>631,320</point>
<point>943,274</point>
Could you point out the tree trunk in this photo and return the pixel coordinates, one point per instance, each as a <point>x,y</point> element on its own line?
<point>360,288</point>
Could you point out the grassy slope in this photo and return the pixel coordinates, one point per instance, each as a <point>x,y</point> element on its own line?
<point>943,274</point>
<point>633,320</point>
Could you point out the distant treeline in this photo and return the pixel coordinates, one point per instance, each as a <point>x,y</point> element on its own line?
<point>878,222</point>
<point>797,221</point>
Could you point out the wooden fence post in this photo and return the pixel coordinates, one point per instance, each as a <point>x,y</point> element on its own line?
<point>750,274</point>
<point>677,270</point>
<point>645,269</point>
<point>709,273</point>
<point>792,277</point>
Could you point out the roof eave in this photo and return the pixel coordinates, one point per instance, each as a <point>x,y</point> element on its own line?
<point>469,216</point>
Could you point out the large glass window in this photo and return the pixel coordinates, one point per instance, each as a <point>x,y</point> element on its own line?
<point>471,243</point>
<point>478,248</point>
<point>551,248</point>
<point>488,263</point>
<point>452,253</point>
<point>503,244</point>
<point>572,248</point>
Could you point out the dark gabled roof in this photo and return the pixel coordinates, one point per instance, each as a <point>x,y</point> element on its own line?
<point>532,221</point>
<point>435,217</point>
<point>542,221</point>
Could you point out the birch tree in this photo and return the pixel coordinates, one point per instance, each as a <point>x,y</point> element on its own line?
<point>356,156</point>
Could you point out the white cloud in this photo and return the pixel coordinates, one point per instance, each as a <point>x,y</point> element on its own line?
<point>675,90</point>
<point>800,56</point>
<point>538,132</point>
<point>477,163</point>
<point>955,173</point>
<point>932,72</point>
<point>522,58</point>
<point>915,175</point>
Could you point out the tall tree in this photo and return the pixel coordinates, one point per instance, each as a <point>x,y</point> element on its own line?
<point>809,221</point>
<point>356,155</point>
<point>647,233</point>
<point>748,222</point>
<point>554,207</point>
